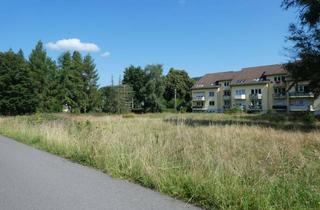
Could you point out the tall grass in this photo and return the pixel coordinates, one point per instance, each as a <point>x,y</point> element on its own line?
<point>215,166</point>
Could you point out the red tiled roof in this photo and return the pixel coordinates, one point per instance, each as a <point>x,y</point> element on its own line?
<point>209,80</point>
<point>254,74</point>
<point>245,76</point>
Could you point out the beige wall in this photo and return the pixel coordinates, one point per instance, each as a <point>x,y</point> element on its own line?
<point>206,92</point>
<point>264,91</point>
<point>267,92</point>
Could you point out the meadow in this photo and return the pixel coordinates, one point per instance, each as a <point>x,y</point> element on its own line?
<point>215,161</point>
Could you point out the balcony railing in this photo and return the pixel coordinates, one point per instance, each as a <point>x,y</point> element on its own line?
<point>301,108</point>
<point>199,98</point>
<point>256,96</point>
<point>255,107</point>
<point>279,84</point>
<point>279,95</point>
<point>226,97</point>
<point>299,94</point>
<point>279,107</point>
<point>226,106</point>
<point>241,97</point>
<point>199,108</point>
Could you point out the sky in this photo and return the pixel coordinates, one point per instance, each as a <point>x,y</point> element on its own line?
<point>199,36</point>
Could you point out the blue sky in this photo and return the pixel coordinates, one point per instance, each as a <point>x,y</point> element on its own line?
<point>200,36</point>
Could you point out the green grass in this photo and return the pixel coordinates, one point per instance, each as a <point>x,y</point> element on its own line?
<point>216,161</point>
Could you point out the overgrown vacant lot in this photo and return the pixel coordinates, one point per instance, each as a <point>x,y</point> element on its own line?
<point>216,161</point>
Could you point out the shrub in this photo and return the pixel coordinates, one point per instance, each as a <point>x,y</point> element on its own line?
<point>309,118</point>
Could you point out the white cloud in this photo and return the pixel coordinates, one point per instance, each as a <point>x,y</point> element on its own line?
<point>73,44</point>
<point>105,54</point>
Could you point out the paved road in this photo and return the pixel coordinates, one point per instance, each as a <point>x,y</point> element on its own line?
<point>31,179</point>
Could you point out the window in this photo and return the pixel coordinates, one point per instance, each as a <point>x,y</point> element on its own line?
<point>240,92</point>
<point>226,84</point>
<point>277,79</point>
<point>198,104</point>
<point>227,103</point>
<point>211,94</point>
<point>227,93</point>
<point>255,91</point>
<point>300,88</point>
<point>211,103</point>
<point>281,91</point>
<point>280,79</point>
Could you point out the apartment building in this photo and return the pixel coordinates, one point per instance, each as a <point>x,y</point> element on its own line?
<point>255,89</point>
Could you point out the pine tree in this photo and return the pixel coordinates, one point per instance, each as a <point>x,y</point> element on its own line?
<point>43,71</point>
<point>90,80</point>
<point>17,94</point>
<point>76,78</point>
<point>67,87</point>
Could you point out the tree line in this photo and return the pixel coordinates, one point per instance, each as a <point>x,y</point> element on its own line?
<point>41,84</point>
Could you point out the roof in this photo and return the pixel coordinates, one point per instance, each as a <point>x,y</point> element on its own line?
<point>251,75</point>
<point>209,80</point>
<point>255,75</point>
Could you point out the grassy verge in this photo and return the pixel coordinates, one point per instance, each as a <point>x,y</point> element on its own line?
<point>231,165</point>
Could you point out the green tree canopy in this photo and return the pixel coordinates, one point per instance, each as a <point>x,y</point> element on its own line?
<point>90,80</point>
<point>68,88</point>
<point>44,77</point>
<point>179,80</point>
<point>116,99</point>
<point>136,78</point>
<point>153,90</point>
<point>305,36</point>
<point>17,94</point>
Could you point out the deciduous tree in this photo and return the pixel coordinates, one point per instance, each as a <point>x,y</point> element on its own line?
<point>305,36</point>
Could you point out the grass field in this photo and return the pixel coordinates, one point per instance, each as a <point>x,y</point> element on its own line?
<point>216,161</point>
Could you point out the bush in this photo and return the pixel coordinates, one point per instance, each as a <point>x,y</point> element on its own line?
<point>309,118</point>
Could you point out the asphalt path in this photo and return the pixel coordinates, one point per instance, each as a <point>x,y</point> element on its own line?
<point>35,180</point>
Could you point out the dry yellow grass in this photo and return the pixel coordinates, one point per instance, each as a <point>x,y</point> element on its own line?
<point>230,166</point>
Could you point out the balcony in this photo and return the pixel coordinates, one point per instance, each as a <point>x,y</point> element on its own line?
<point>296,108</point>
<point>279,84</point>
<point>226,88</point>
<point>199,98</point>
<point>279,95</point>
<point>300,95</point>
<point>226,107</point>
<point>279,107</point>
<point>256,96</point>
<point>255,108</point>
<point>199,108</point>
<point>226,97</point>
<point>240,97</point>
